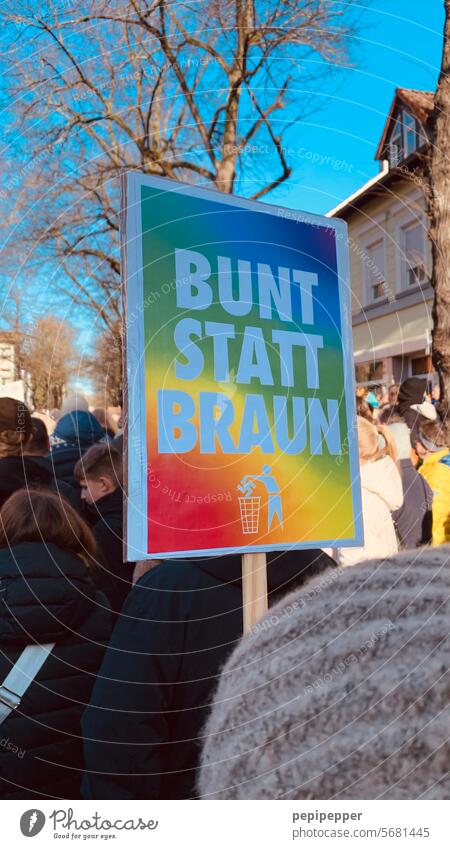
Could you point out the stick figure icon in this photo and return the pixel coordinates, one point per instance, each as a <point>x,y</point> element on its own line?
<point>274,507</point>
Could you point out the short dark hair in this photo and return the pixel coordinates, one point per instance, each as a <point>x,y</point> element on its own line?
<point>390,415</point>
<point>363,409</point>
<point>393,393</point>
<point>100,460</point>
<point>38,440</point>
<point>434,432</point>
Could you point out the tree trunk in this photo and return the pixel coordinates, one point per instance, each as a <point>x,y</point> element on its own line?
<point>439,232</point>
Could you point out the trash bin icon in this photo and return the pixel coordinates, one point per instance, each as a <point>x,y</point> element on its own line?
<point>250,509</point>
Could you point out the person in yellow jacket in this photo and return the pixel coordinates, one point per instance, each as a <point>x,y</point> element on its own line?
<point>433,450</point>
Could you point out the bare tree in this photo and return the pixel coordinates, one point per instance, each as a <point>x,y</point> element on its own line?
<point>49,361</point>
<point>190,91</point>
<point>439,232</point>
<point>105,366</point>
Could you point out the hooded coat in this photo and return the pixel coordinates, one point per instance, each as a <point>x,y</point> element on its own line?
<point>414,519</point>
<point>381,493</point>
<point>17,472</point>
<point>21,471</point>
<point>142,730</point>
<point>112,575</point>
<point>48,596</point>
<point>73,435</point>
<point>411,391</point>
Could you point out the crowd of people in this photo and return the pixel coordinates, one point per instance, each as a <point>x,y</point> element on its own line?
<point>149,690</point>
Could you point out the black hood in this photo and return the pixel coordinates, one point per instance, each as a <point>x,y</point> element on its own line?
<point>283,567</point>
<point>44,592</point>
<point>22,471</point>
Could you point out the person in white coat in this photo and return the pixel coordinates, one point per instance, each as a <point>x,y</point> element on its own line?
<point>381,491</point>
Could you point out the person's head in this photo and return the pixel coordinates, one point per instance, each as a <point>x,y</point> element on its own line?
<point>393,394</point>
<point>38,444</point>
<point>50,424</point>
<point>436,392</point>
<point>363,409</point>
<point>360,711</point>
<point>432,438</point>
<point>15,427</point>
<point>375,442</point>
<point>390,415</point>
<point>43,516</point>
<point>73,402</point>
<point>411,391</point>
<point>99,472</point>
<point>104,418</point>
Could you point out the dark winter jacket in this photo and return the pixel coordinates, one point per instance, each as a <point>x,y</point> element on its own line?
<point>143,729</point>
<point>73,435</point>
<point>47,595</point>
<point>413,521</point>
<point>21,471</point>
<point>72,493</point>
<point>112,575</point>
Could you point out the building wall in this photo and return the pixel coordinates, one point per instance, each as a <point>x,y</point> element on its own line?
<point>397,328</point>
<point>7,363</point>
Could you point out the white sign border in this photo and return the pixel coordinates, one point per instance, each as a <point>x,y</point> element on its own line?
<point>135,457</point>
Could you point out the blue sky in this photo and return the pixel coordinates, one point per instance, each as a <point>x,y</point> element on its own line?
<point>399,44</point>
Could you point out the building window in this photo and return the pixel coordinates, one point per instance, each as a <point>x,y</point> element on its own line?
<point>414,255</point>
<point>396,145</point>
<point>374,271</point>
<point>421,366</point>
<point>407,135</point>
<point>369,372</point>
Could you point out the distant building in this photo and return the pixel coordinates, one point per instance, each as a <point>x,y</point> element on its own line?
<point>390,255</point>
<point>7,358</point>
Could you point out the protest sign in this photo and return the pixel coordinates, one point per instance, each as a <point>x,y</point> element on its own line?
<point>241,419</point>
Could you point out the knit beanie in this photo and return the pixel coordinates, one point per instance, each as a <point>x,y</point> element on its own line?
<point>342,690</point>
<point>411,392</point>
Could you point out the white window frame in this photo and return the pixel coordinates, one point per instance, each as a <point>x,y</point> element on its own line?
<point>371,240</point>
<point>409,219</point>
<point>397,133</point>
<point>407,129</point>
<point>400,134</point>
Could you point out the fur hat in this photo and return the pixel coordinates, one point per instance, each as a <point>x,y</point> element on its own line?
<point>342,690</point>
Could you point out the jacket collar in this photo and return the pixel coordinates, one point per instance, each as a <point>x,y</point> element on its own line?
<point>109,505</point>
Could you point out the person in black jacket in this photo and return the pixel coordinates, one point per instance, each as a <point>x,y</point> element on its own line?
<point>414,519</point>
<point>99,475</point>
<point>143,729</point>
<point>47,596</point>
<point>18,467</point>
<point>37,447</point>
<point>73,435</point>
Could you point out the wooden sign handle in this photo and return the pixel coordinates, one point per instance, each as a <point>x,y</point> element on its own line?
<point>254,589</point>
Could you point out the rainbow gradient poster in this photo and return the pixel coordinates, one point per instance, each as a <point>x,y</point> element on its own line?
<point>240,394</point>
